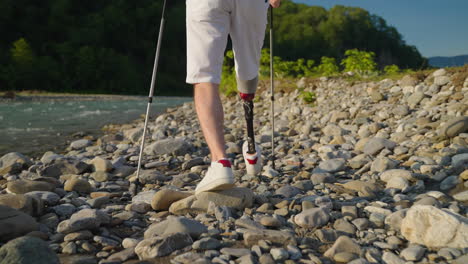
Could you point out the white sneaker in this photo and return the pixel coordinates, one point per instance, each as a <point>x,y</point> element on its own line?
<point>253,162</point>
<point>218,177</point>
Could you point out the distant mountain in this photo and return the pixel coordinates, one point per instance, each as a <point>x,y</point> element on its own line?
<point>448,61</point>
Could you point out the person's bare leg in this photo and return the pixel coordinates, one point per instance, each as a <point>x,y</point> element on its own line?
<point>211,116</point>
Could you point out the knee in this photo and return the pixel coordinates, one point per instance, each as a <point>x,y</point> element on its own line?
<point>247,87</point>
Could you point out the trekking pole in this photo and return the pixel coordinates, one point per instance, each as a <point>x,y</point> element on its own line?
<point>134,187</point>
<point>272,87</point>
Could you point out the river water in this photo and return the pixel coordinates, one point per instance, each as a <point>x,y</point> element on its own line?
<point>34,125</point>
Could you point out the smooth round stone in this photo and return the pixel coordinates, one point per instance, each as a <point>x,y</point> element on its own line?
<point>95,195</point>
<point>236,252</point>
<point>65,210</point>
<point>101,164</point>
<point>333,165</point>
<point>413,253</point>
<point>359,261</point>
<point>163,199</point>
<point>27,249</point>
<point>344,226</point>
<point>279,254</point>
<point>449,253</point>
<point>344,257</point>
<point>82,235</point>
<point>393,240</point>
<point>288,191</point>
<point>69,248</point>
<point>294,252</point>
<point>397,183</point>
<point>140,207</point>
<point>312,218</point>
<point>26,186</point>
<point>49,198</point>
<point>77,185</point>
<point>206,243</point>
<point>98,202</point>
<point>448,183</point>
<point>454,127</point>
<point>80,144</point>
<point>461,196</point>
<point>269,221</point>
<point>100,176</point>
<point>130,242</point>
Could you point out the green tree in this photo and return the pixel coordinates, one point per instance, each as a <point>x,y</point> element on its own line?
<point>21,53</point>
<point>57,31</point>
<point>19,75</point>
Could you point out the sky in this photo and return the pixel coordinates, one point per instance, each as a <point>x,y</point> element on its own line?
<point>435,27</point>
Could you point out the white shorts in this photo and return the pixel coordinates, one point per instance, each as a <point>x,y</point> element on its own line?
<point>209,22</point>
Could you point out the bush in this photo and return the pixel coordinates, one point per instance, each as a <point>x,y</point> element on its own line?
<point>391,69</point>
<point>308,97</point>
<point>282,69</point>
<point>360,62</point>
<point>328,67</point>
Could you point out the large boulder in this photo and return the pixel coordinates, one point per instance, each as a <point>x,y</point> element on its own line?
<point>427,225</point>
<point>14,223</point>
<point>27,250</point>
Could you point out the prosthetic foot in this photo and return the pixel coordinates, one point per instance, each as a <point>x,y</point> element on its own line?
<point>251,151</point>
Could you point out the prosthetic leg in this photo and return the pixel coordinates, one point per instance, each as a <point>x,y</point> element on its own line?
<point>247,102</point>
<point>250,150</point>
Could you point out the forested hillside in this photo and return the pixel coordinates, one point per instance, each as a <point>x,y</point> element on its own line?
<point>448,61</point>
<point>108,46</point>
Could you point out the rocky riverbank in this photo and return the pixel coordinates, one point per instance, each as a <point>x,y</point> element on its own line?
<point>374,172</point>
